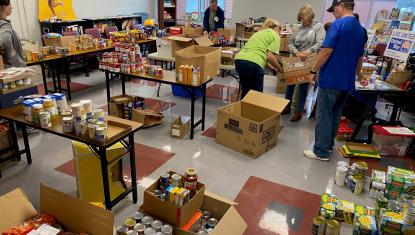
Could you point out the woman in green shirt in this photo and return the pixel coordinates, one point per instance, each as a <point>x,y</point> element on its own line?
<point>259,52</point>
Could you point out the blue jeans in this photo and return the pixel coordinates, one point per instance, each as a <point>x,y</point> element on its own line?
<point>251,76</point>
<point>329,109</point>
<point>297,103</point>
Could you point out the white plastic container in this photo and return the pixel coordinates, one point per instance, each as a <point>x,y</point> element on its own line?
<point>392,141</point>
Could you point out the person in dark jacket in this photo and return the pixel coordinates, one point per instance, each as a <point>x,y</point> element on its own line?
<point>10,46</point>
<point>214,18</point>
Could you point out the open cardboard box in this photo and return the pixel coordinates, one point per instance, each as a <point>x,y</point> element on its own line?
<point>183,41</point>
<point>193,32</point>
<point>180,127</point>
<point>207,58</point>
<point>169,212</point>
<point>230,221</point>
<point>71,213</point>
<point>147,116</point>
<point>251,126</point>
<point>297,71</point>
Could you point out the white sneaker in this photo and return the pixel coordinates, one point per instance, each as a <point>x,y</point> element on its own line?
<point>312,155</point>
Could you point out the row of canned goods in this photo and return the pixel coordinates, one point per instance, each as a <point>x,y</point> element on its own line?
<point>142,224</point>
<point>117,57</point>
<point>321,226</point>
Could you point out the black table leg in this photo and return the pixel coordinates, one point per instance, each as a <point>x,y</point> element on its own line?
<point>105,180</point>
<point>45,82</point>
<point>133,167</point>
<point>158,90</point>
<point>26,145</point>
<point>192,117</point>
<point>52,67</point>
<point>67,64</point>
<point>58,76</point>
<point>203,106</point>
<point>14,138</point>
<point>107,83</point>
<point>394,114</point>
<point>123,83</point>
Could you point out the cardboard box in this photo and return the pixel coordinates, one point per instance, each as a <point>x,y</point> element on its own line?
<point>164,47</point>
<point>183,41</point>
<point>5,137</point>
<point>1,63</point>
<point>244,31</point>
<point>399,78</point>
<point>297,71</point>
<point>73,214</point>
<point>89,174</point>
<point>192,32</point>
<point>284,43</point>
<point>117,103</point>
<point>230,221</point>
<point>226,32</point>
<point>251,126</point>
<point>180,127</point>
<point>281,86</point>
<point>207,58</point>
<point>169,212</point>
<point>147,116</point>
<point>63,41</point>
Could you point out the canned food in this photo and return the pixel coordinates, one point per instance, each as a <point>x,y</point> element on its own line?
<point>164,181</point>
<point>150,231</point>
<point>167,229</point>
<point>211,223</point>
<point>130,223</point>
<point>157,225</point>
<point>121,230</point>
<point>381,202</point>
<point>359,183</point>
<point>206,217</point>
<point>157,193</point>
<point>332,227</point>
<point>132,232</point>
<point>176,180</point>
<point>139,228</point>
<point>319,225</point>
<point>409,216</point>
<point>138,216</point>
<point>147,220</point>
<point>202,233</point>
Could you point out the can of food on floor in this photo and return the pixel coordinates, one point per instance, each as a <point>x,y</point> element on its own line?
<point>211,223</point>
<point>359,183</point>
<point>147,220</point>
<point>338,214</point>
<point>139,228</point>
<point>319,225</point>
<point>156,224</point>
<point>130,223</point>
<point>167,229</point>
<point>150,231</point>
<point>381,202</point>
<point>132,232</point>
<point>121,230</point>
<point>332,227</point>
<point>138,216</point>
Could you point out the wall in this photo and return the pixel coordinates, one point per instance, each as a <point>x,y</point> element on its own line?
<point>83,9</point>
<point>281,10</point>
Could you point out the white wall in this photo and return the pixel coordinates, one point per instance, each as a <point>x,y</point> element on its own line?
<point>82,8</point>
<point>284,11</point>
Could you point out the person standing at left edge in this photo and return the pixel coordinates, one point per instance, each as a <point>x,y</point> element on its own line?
<point>214,18</point>
<point>340,60</point>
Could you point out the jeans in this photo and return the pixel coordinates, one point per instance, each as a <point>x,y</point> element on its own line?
<point>329,109</point>
<point>251,76</point>
<point>297,94</point>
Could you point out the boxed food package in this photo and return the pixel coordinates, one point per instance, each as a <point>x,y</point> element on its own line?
<point>399,181</point>
<point>297,71</point>
<point>180,127</point>
<point>244,31</point>
<point>71,213</point>
<point>206,58</point>
<point>230,221</point>
<point>399,78</point>
<point>63,41</point>
<point>364,224</point>
<point>390,222</point>
<point>122,105</point>
<point>89,174</point>
<point>251,126</point>
<point>169,212</point>
<point>184,41</point>
<point>392,140</point>
<point>228,55</point>
<point>147,116</point>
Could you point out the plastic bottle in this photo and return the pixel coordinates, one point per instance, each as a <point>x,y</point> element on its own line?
<point>373,77</point>
<point>190,181</point>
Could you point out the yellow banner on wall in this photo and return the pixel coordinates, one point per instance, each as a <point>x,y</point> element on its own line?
<point>61,9</point>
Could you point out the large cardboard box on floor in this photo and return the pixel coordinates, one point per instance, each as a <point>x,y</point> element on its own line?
<point>251,126</point>
<point>180,127</point>
<point>297,71</point>
<point>148,117</point>
<point>184,41</point>
<point>192,32</point>
<point>169,212</point>
<point>230,221</point>
<point>207,58</point>
<point>73,214</point>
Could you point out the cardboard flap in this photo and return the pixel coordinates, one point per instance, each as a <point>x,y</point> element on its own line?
<point>75,214</point>
<point>231,223</point>
<point>180,39</point>
<point>204,41</point>
<point>220,198</point>
<point>15,208</point>
<point>266,101</point>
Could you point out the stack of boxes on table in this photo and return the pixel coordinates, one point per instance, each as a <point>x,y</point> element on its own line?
<point>394,212</point>
<point>178,204</point>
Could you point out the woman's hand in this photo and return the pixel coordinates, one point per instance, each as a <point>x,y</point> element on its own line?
<point>302,55</point>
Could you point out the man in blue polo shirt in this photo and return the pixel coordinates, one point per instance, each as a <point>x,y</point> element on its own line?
<point>339,61</point>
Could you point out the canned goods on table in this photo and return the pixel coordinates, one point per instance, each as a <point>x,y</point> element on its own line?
<point>45,120</point>
<point>132,232</point>
<point>332,227</point>
<point>319,225</point>
<point>409,216</point>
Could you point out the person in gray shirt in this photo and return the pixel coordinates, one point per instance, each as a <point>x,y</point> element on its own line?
<point>10,46</point>
<point>306,39</point>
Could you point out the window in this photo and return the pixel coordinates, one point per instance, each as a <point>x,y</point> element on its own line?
<point>195,9</point>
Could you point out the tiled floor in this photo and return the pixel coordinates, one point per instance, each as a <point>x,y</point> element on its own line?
<point>277,193</point>
<point>75,87</point>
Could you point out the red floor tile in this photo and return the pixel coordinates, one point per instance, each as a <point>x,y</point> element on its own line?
<point>274,209</point>
<point>221,92</point>
<point>75,87</point>
<point>210,132</point>
<point>153,104</point>
<point>382,164</point>
<point>147,158</point>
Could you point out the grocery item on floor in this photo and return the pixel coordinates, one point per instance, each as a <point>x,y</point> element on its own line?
<point>358,150</point>
<point>398,182</point>
<point>378,184</point>
<point>392,141</point>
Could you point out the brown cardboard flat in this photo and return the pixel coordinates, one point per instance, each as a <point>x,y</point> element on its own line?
<point>15,209</point>
<point>147,116</point>
<point>73,214</point>
<point>398,78</point>
<point>180,127</point>
<point>196,32</point>
<point>183,41</point>
<point>297,71</point>
<point>169,212</point>
<point>1,63</point>
<point>281,86</point>
<point>230,221</point>
<point>206,58</point>
<point>5,138</point>
<point>251,126</point>
<point>225,32</point>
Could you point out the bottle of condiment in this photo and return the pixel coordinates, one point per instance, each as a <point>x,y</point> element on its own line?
<point>27,111</point>
<point>190,181</point>
<point>49,107</point>
<point>36,110</point>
